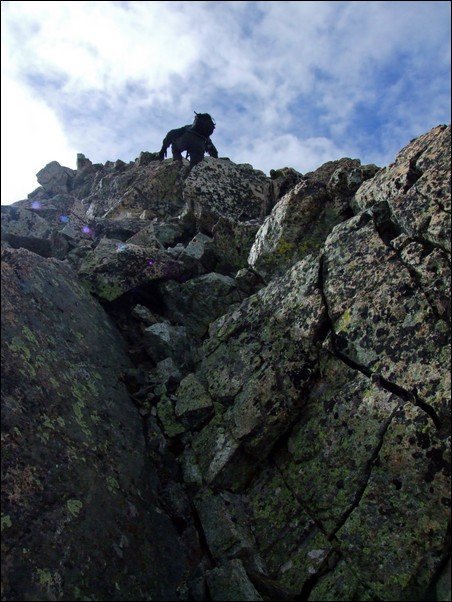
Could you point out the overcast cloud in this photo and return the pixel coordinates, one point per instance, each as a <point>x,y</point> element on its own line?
<point>288,83</point>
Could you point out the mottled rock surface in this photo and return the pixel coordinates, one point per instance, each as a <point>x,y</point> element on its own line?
<point>220,188</point>
<point>223,386</point>
<point>304,216</point>
<point>80,516</point>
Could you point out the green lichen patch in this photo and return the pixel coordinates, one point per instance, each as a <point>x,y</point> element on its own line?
<point>6,521</point>
<point>165,412</point>
<point>406,508</point>
<point>74,507</point>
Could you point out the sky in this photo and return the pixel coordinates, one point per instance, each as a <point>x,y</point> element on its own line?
<point>289,84</point>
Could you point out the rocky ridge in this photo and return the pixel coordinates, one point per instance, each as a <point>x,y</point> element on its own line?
<point>219,385</point>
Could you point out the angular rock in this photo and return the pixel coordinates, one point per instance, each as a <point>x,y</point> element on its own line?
<point>409,488</point>
<point>78,520</point>
<point>199,301</point>
<point>162,340</point>
<point>300,221</point>
<point>230,582</point>
<point>23,228</point>
<point>154,188</point>
<point>302,450</point>
<point>258,397</point>
<point>56,179</point>
<point>119,229</point>
<point>225,525</point>
<point>280,522</point>
<point>383,322</point>
<point>115,268</point>
<point>417,188</point>
<point>194,405</point>
<point>232,242</point>
<point>218,188</point>
<point>329,453</point>
<point>198,256</point>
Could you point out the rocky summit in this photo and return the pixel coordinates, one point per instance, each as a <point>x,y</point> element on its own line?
<point>219,385</point>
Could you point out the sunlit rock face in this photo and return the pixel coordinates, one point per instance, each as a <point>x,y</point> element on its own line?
<point>218,385</point>
<point>306,214</point>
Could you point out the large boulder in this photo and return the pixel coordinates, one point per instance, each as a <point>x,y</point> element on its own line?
<point>219,188</point>
<point>56,179</point>
<point>115,268</point>
<point>80,517</point>
<point>150,190</point>
<point>417,188</point>
<point>302,219</point>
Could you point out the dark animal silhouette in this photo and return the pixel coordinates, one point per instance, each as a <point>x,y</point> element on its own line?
<point>194,138</point>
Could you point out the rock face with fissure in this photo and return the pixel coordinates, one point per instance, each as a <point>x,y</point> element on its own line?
<point>222,386</point>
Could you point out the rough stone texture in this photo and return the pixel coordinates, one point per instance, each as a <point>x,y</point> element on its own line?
<point>115,268</point>
<point>164,340</point>
<point>284,179</point>
<point>302,219</point>
<point>406,504</point>
<point>120,191</point>
<point>223,518</point>
<point>194,405</point>
<point>417,188</point>
<point>219,188</point>
<point>120,229</point>
<point>231,582</point>
<point>232,243</point>
<point>56,179</point>
<point>292,231</point>
<point>372,443</point>
<point>23,228</point>
<point>291,545</point>
<point>295,414</point>
<point>257,396</point>
<point>197,256</point>
<point>354,414</point>
<point>197,302</point>
<point>78,518</point>
<point>385,323</point>
<point>50,227</point>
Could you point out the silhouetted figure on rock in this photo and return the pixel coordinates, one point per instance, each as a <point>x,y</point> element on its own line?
<point>195,139</point>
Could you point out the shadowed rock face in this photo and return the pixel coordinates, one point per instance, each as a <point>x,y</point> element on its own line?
<point>227,386</point>
<point>79,514</point>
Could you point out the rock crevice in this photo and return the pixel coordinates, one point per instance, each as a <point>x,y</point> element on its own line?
<point>224,386</point>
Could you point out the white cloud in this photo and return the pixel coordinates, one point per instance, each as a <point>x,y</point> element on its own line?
<point>31,137</point>
<point>288,151</point>
<point>100,45</point>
